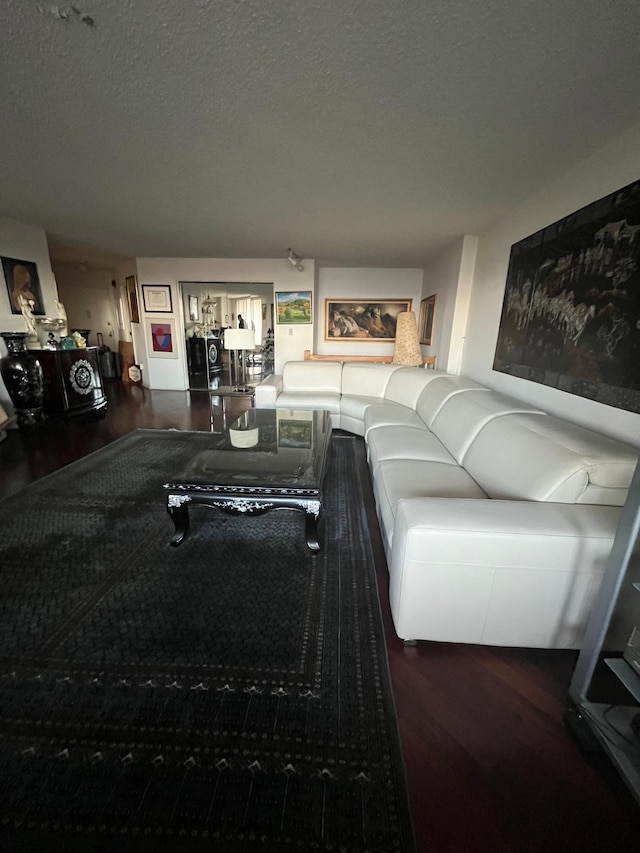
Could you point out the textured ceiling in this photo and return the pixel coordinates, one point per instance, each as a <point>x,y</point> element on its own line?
<point>359,132</point>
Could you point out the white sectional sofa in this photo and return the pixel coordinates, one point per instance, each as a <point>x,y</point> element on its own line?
<point>497,518</point>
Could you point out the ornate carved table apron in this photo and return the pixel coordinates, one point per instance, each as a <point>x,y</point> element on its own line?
<point>267,459</point>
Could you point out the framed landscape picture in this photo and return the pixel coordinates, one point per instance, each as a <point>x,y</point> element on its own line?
<point>293,306</point>
<point>425,323</point>
<point>295,433</point>
<point>361,320</point>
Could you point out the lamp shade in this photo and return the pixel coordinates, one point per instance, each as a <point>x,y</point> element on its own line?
<point>244,432</point>
<point>239,339</point>
<point>407,346</point>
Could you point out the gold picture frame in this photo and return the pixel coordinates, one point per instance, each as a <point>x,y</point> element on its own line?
<point>427,315</point>
<point>132,296</point>
<point>358,320</point>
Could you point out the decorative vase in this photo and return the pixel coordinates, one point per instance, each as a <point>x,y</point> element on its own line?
<point>22,375</point>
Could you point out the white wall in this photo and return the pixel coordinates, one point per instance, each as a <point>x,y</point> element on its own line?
<point>290,341</point>
<point>450,277</point>
<point>26,243</point>
<point>369,285</point>
<point>460,319</point>
<point>609,169</point>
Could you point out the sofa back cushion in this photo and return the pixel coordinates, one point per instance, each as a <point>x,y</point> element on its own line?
<point>436,394</point>
<point>541,458</point>
<point>310,376</point>
<point>407,383</point>
<point>366,380</point>
<point>463,415</point>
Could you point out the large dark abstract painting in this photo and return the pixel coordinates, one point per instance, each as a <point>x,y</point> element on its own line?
<point>571,311</point>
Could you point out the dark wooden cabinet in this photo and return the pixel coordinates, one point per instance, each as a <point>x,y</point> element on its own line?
<point>199,349</point>
<point>72,381</point>
<point>196,355</point>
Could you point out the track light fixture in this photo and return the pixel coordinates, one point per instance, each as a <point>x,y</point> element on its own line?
<point>294,260</point>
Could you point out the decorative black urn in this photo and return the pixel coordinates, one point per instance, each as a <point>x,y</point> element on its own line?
<point>22,375</point>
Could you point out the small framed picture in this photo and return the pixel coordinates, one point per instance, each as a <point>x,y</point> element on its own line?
<point>23,280</point>
<point>161,337</point>
<point>425,324</point>
<point>132,296</point>
<point>194,314</point>
<point>157,298</point>
<point>293,306</point>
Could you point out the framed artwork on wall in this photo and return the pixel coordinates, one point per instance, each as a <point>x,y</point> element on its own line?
<point>132,296</point>
<point>293,306</point>
<point>157,298</point>
<point>571,311</point>
<point>161,338</point>
<point>22,280</point>
<point>425,323</point>
<point>363,320</point>
<point>194,311</point>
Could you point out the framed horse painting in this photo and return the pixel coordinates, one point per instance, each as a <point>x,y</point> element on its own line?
<point>363,320</point>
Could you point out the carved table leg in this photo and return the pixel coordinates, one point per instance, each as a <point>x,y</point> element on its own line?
<point>312,523</point>
<point>178,509</point>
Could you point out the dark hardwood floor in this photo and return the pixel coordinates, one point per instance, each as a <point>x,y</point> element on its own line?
<point>490,764</point>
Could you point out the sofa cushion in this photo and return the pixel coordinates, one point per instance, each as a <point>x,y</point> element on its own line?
<point>402,442</point>
<point>310,377</point>
<point>352,411</point>
<point>407,383</point>
<point>309,400</point>
<point>398,479</point>
<point>463,415</point>
<point>355,406</point>
<point>366,380</point>
<point>436,394</point>
<point>390,414</point>
<point>541,458</point>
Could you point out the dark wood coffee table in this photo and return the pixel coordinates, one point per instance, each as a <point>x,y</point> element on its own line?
<point>267,459</point>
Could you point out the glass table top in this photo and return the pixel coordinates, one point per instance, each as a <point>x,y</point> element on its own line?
<point>263,448</point>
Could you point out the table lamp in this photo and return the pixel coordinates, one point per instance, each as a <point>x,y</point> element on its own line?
<point>244,433</point>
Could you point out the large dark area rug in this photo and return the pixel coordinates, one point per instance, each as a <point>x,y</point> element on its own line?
<point>231,694</point>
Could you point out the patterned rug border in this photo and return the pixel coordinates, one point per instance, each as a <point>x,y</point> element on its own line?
<point>365,800</point>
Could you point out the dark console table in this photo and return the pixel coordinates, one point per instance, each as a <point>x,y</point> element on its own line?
<point>267,459</point>
<point>72,381</point>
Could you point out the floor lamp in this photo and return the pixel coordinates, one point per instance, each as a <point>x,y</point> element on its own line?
<point>239,341</point>
<point>407,350</point>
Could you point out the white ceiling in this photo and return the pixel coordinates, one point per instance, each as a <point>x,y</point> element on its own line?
<point>359,132</point>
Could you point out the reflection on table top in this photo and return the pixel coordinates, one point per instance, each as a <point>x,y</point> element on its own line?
<point>267,448</point>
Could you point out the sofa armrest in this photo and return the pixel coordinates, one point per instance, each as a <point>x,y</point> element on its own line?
<point>448,519</point>
<point>267,391</point>
<point>507,573</point>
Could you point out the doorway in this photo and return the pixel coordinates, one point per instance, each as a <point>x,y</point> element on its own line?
<point>212,307</point>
